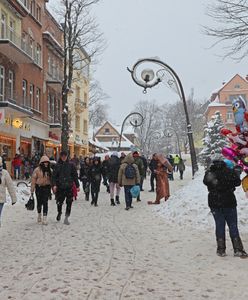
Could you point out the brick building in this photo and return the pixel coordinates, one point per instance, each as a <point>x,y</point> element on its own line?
<point>221,99</point>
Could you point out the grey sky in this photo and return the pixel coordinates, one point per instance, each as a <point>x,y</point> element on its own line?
<point>169,29</point>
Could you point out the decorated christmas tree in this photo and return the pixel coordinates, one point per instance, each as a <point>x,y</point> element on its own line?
<point>213,141</point>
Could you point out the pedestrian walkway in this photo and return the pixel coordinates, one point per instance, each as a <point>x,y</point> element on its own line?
<point>109,253</point>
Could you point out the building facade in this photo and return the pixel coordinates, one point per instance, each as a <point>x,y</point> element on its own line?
<point>221,99</point>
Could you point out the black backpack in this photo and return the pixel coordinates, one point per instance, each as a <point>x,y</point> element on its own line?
<point>130,171</point>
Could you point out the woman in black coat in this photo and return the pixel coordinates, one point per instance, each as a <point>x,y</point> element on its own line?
<point>85,177</point>
<point>221,182</point>
<point>95,175</point>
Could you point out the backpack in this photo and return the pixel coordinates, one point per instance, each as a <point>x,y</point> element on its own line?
<point>130,171</point>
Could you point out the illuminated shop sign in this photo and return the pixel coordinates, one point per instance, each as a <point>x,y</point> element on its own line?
<point>17,123</point>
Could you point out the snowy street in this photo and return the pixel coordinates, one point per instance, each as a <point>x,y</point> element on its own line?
<point>110,253</point>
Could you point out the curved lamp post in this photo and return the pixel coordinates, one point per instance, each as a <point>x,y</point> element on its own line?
<point>137,123</point>
<point>164,73</point>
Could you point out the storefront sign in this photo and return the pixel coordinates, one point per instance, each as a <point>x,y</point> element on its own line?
<point>17,123</point>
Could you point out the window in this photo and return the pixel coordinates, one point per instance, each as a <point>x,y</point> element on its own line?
<point>53,68</point>
<point>25,3</point>
<point>106,131</point>
<point>38,13</point>
<point>50,107</point>
<point>11,84</point>
<point>77,123</point>
<point>38,54</point>
<point>24,41</point>
<point>31,95</point>
<point>229,115</point>
<point>3,25</point>
<point>49,65</point>
<point>85,126</point>
<point>237,86</point>
<point>31,46</point>
<point>2,75</point>
<point>37,102</point>
<point>232,97</point>
<point>33,8</point>
<point>24,92</point>
<point>12,30</point>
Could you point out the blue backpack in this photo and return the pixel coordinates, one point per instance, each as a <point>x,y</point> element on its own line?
<point>130,171</point>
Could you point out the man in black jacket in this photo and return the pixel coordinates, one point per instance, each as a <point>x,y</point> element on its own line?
<point>152,167</point>
<point>64,175</point>
<point>221,182</point>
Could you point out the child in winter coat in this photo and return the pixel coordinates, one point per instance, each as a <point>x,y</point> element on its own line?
<point>221,182</point>
<point>41,184</point>
<point>5,182</point>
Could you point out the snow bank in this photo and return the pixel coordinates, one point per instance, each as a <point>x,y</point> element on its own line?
<point>189,206</point>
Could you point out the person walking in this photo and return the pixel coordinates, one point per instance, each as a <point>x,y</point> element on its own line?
<point>5,182</point>
<point>162,183</point>
<point>128,176</point>
<point>152,167</point>
<point>85,177</point>
<point>41,184</point>
<point>181,168</point>
<point>114,166</point>
<point>170,173</point>
<point>145,164</point>
<point>139,162</point>
<point>63,177</point>
<point>95,174</point>
<point>221,183</point>
<point>16,163</point>
<point>105,169</point>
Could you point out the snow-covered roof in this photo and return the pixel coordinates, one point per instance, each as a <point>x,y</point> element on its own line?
<point>124,144</point>
<point>216,104</point>
<point>98,144</point>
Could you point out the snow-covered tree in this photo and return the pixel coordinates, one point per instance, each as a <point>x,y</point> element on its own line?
<point>213,140</point>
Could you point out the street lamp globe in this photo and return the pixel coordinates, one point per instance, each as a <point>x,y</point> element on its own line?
<point>147,75</point>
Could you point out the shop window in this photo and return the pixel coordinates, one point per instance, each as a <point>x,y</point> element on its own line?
<point>11,84</point>
<point>2,76</point>
<point>24,92</point>
<point>77,123</point>
<point>3,25</point>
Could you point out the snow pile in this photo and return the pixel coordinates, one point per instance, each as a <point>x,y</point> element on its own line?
<point>22,193</point>
<point>189,206</point>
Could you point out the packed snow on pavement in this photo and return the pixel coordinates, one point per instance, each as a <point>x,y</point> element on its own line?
<point>189,206</point>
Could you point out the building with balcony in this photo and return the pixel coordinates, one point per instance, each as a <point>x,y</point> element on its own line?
<point>221,99</point>
<point>78,106</point>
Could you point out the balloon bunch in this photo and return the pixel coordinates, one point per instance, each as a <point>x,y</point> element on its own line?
<point>238,150</point>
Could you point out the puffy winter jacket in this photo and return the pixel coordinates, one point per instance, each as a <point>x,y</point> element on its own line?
<point>221,183</point>
<point>114,166</point>
<point>122,180</point>
<point>6,182</point>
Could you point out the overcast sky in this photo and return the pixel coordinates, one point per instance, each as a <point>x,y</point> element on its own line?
<point>169,29</point>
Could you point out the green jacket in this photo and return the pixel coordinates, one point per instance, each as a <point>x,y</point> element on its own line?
<point>138,161</point>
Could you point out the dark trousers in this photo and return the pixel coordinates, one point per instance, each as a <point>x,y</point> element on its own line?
<point>42,194</point>
<point>223,216</point>
<point>61,196</point>
<point>86,187</point>
<point>95,189</point>
<point>128,196</point>
<point>181,174</point>
<point>152,178</point>
<point>142,178</point>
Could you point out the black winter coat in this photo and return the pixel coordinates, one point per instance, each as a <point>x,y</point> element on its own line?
<point>153,165</point>
<point>64,175</point>
<point>114,166</point>
<point>95,175</point>
<point>221,182</point>
<point>105,168</point>
<point>84,171</point>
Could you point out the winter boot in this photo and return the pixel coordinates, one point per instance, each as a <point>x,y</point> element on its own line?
<point>138,199</point>
<point>108,189</point>
<point>112,202</point>
<point>58,216</point>
<point>44,221</point>
<point>221,247</point>
<point>87,196</point>
<point>117,200</point>
<point>238,248</point>
<point>39,221</point>
<point>66,221</point>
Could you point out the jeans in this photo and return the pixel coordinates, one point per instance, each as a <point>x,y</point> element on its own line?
<point>1,208</point>
<point>17,172</point>
<point>128,196</point>
<point>223,216</point>
<point>42,194</point>
<point>60,198</point>
<point>112,186</point>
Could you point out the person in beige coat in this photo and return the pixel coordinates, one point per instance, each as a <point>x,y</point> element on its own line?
<point>128,176</point>
<point>5,182</point>
<point>41,184</point>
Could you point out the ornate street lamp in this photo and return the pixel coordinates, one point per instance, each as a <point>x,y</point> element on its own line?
<point>148,78</point>
<point>136,121</point>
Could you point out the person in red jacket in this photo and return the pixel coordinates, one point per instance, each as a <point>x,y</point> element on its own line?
<point>16,163</point>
